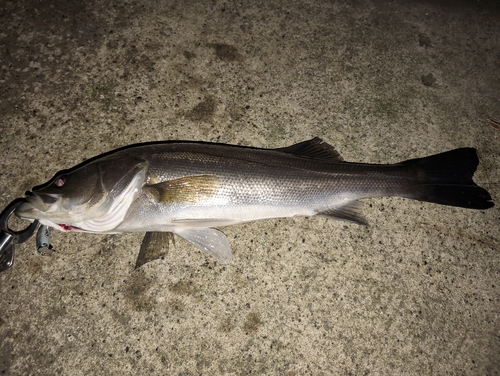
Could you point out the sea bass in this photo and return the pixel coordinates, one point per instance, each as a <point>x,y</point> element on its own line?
<point>192,188</point>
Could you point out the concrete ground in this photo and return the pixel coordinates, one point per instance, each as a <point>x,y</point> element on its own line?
<point>415,293</point>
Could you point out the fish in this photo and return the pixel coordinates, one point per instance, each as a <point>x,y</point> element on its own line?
<point>191,189</point>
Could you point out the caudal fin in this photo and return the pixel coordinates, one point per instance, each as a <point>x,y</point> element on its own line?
<point>446,179</point>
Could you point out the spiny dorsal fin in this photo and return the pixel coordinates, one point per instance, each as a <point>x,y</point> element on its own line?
<point>315,148</point>
<point>187,189</point>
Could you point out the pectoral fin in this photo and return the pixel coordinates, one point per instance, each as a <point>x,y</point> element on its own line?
<point>187,189</point>
<point>209,240</point>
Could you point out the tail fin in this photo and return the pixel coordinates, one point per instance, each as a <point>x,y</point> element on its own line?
<point>446,179</point>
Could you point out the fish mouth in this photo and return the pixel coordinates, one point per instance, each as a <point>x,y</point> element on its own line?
<point>41,201</point>
<point>36,204</point>
<point>26,211</point>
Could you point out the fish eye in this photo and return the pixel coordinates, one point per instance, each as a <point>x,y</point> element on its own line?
<point>59,182</point>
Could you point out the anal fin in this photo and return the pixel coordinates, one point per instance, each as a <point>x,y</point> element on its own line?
<point>209,240</point>
<point>350,212</point>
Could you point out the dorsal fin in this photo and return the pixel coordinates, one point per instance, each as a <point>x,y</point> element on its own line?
<point>315,148</point>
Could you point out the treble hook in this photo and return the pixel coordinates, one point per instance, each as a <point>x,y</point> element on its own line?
<point>9,238</point>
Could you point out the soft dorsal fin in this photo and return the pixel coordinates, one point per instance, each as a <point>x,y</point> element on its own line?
<point>315,148</point>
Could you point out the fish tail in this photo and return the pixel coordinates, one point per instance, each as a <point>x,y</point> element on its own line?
<point>446,179</point>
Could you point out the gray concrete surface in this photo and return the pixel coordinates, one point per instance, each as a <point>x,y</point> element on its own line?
<point>416,293</point>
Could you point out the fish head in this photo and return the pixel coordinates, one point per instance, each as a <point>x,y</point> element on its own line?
<point>77,198</point>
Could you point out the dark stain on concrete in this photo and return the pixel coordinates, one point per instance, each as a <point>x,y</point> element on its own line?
<point>226,52</point>
<point>203,111</point>
<point>6,355</point>
<point>138,59</point>
<point>102,92</point>
<point>188,54</point>
<point>184,288</point>
<point>135,292</point>
<point>428,79</point>
<point>424,40</point>
<point>62,27</point>
<point>227,325</point>
<point>252,323</point>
